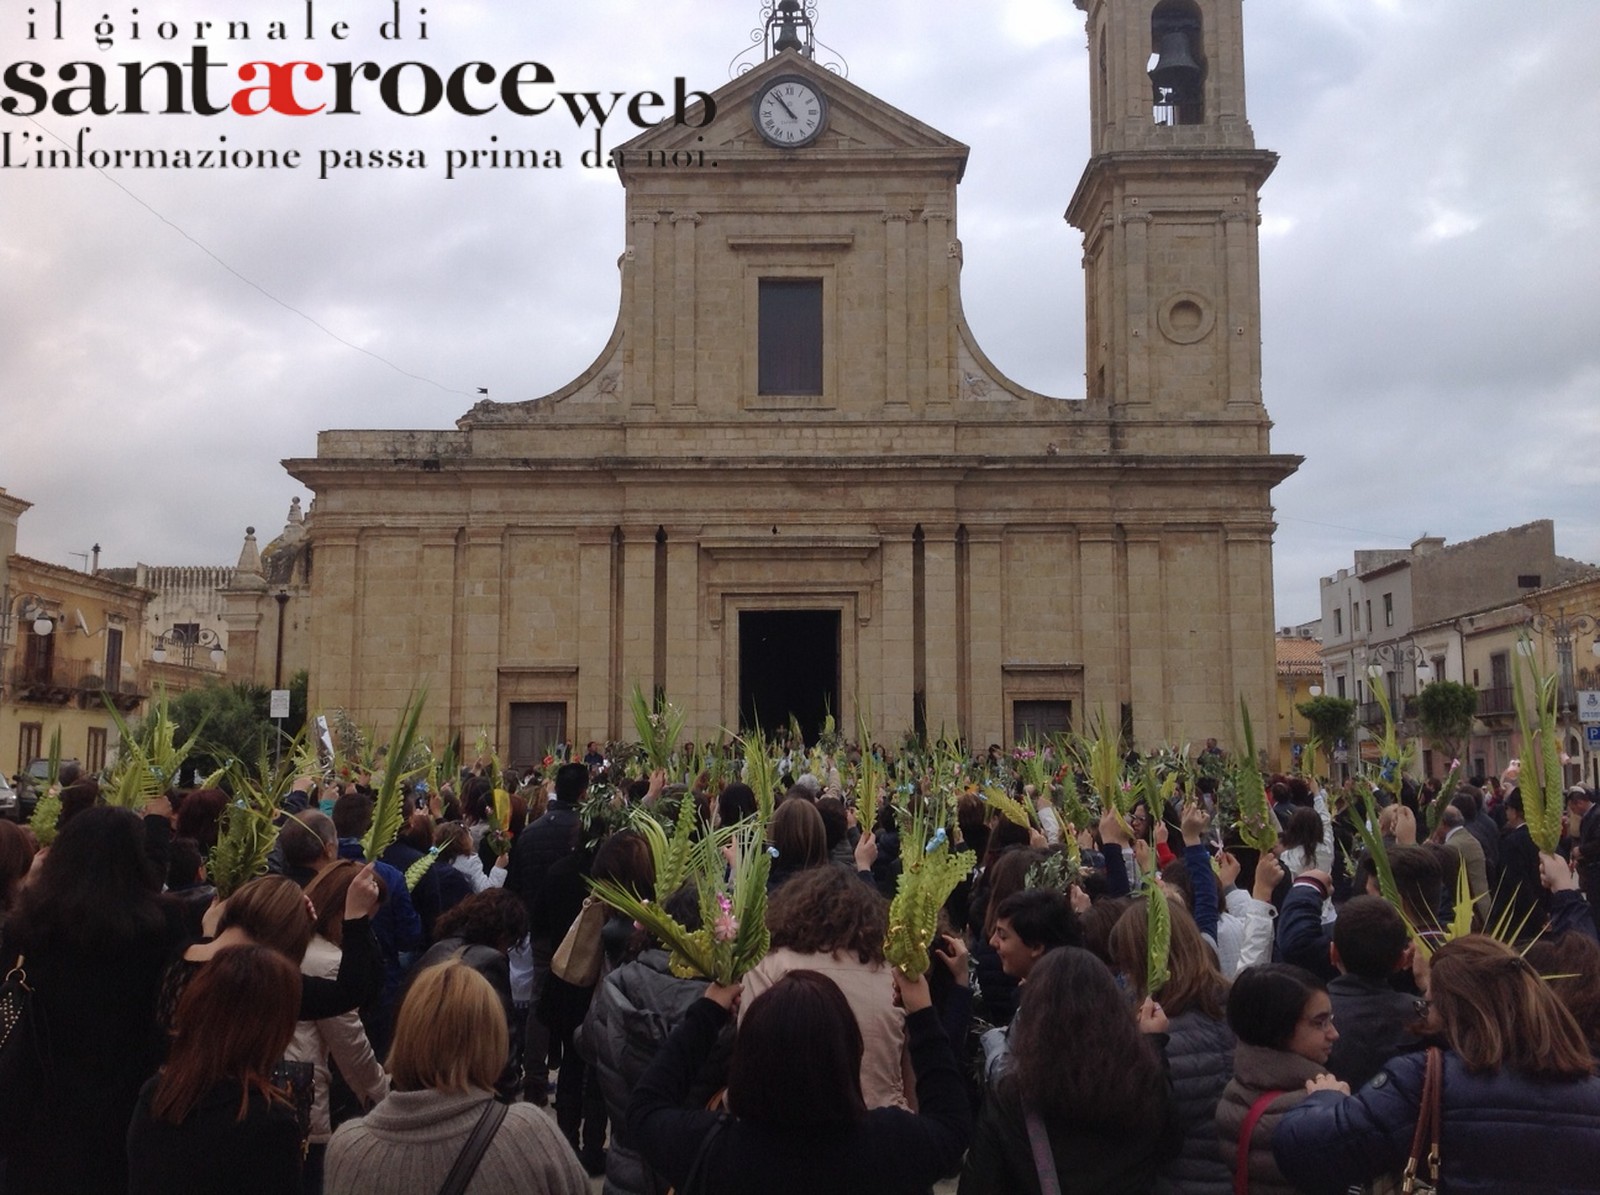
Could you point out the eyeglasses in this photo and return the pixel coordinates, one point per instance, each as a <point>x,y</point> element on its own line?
<point>1322,1022</point>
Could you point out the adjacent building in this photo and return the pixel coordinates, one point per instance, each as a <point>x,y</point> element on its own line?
<point>69,645</point>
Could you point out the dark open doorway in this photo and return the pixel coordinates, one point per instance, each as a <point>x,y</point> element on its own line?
<point>788,664</point>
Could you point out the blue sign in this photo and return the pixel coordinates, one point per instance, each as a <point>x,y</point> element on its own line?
<point>1591,735</point>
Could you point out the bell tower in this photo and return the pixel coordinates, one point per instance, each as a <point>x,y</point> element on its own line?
<point>1168,210</point>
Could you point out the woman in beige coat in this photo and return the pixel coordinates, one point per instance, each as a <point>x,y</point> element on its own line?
<point>827,920</point>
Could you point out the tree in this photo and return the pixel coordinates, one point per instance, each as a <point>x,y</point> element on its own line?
<point>1444,711</point>
<point>236,725</point>
<point>1330,719</point>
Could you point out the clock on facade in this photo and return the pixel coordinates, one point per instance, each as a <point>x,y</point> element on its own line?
<point>790,112</point>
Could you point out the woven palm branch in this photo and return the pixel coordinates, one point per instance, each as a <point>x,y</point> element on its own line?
<point>1006,805</point>
<point>1541,780</point>
<point>733,935</point>
<point>869,774</point>
<point>1158,935</point>
<point>929,874</point>
<point>1257,826</point>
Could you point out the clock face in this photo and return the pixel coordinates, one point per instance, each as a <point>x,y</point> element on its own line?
<point>790,112</point>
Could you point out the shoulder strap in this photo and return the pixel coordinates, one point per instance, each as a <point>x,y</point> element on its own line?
<point>472,1152</point>
<point>1425,1141</point>
<point>696,1178</point>
<point>1044,1161</point>
<point>1241,1168</point>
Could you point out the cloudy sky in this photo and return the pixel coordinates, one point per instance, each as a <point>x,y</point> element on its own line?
<point>1429,254</point>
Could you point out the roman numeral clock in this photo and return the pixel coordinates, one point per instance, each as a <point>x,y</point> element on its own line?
<point>790,112</point>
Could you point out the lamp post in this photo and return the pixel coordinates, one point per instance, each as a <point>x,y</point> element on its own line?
<point>186,645</point>
<point>22,606</point>
<point>1564,630</point>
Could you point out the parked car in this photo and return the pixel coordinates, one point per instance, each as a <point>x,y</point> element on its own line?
<point>10,802</point>
<point>31,782</point>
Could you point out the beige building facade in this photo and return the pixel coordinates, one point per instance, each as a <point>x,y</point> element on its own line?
<point>70,642</point>
<point>792,480</point>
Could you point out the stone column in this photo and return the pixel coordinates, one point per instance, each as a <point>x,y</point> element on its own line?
<point>477,677</point>
<point>1100,601</point>
<point>638,643</point>
<point>683,314</point>
<point>896,684</point>
<point>640,345</point>
<point>985,638</point>
<point>1136,230</point>
<point>335,589</point>
<point>432,593</point>
<point>941,629</point>
<point>684,624</point>
<point>935,383</point>
<point>1147,638</point>
<point>595,586</point>
<point>894,308</point>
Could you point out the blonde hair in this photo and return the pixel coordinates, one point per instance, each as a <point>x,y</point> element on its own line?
<point>451,1033</point>
<point>1194,979</point>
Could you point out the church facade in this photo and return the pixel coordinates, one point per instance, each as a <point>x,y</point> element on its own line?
<point>792,481</point>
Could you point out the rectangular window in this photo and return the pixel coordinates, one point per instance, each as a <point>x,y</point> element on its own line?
<point>1388,609</point>
<point>94,759</point>
<point>1438,668</point>
<point>113,672</point>
<point>30,741</point>
<point>1369,614</point>
<point>790,336</point>
<point>1338,622</point>
<point>1338,685</point>
<point>38,659</point>
<point>1355,616</point>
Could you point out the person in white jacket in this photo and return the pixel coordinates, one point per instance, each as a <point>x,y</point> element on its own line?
<point>341,1038</point>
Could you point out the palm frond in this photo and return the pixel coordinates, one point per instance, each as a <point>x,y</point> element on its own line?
<point>387,812</point>
<point>1257,826</point>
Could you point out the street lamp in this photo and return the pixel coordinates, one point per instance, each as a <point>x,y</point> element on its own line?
<point>186,645</point>
<point>1565,631</point>
<point>20,605</point>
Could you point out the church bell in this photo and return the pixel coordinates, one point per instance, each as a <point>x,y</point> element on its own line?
<point>1175,70</point>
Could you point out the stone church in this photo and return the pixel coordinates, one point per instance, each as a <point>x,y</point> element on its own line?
<point>791,480</point>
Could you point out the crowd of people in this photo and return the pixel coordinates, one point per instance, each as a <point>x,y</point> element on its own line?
<point>1139,1004</point>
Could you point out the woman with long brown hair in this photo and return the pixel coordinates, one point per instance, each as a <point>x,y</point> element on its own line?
<point>1199,1043</point>
<point>1518,1096</point>
<point>211,1121</point>
<point>1082,1067</point>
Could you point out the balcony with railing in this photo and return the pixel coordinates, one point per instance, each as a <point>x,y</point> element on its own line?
<point>68,682</point>
<point>1495,701</point>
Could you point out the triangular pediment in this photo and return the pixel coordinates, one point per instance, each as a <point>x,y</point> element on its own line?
<point>859,124</point>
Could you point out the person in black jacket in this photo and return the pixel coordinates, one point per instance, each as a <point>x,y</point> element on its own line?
<point>211,1122</point>
<point>800,1124</point>
<point>538,847</point>
<point>95,935</point>
<point>1369,945</point>
<point>1107,1113</point>
<point>1519,897</point>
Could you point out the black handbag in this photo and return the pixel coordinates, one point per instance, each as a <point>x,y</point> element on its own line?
<point>24,1053</point>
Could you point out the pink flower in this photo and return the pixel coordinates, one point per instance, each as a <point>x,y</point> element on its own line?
<point>725,928</point>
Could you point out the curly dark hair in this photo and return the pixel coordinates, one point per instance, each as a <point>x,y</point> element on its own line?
<point>494,917</point>
<point>1071,1006</point>
<point>826,910</point>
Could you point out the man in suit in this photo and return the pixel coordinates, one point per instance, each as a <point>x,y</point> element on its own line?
<point>1583,825</point>
<point>1519,895</point>
<point>1458,839</point>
